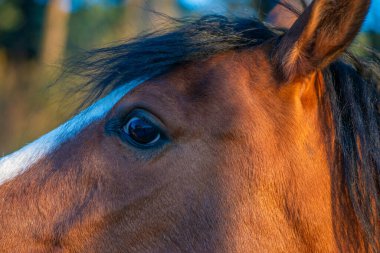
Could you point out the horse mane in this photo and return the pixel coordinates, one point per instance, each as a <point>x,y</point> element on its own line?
<point>155,53</point>
<point>352,87</point>
<point>352,93</point>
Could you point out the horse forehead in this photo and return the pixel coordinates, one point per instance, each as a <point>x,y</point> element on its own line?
<point>220,75</point>
<point>212,92</point>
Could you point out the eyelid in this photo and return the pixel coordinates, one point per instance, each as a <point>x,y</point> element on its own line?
<point>147,116</point>
<point>124,111</point>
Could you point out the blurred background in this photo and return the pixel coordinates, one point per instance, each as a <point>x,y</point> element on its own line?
<point>37,35</point>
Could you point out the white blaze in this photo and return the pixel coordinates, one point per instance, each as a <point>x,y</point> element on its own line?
<point>18,162</point>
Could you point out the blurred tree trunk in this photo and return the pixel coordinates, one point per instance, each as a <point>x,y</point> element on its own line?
<point>24,104</point>
<point>139,16</point>
<point>19,50</point>
<point>55,32</point>
<point>133,20</point>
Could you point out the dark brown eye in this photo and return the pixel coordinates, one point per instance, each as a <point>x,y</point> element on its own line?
<point>141,132</point>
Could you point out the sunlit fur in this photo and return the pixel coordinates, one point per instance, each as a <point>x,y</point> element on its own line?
<point>258,159</point>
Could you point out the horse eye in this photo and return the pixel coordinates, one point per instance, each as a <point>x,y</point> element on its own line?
<point>141,132</point>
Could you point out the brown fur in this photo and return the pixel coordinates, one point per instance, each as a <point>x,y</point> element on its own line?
<point>246,169</point>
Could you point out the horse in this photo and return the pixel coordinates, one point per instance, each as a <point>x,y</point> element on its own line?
<point>221,134</point>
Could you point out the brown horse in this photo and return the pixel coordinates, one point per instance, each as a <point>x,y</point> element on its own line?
<point>221,135</point>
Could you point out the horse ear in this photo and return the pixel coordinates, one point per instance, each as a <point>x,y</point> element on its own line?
<point>284,14</point>
<point>323,31</point>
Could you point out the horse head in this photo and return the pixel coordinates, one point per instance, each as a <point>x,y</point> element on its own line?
<point>221,135</point>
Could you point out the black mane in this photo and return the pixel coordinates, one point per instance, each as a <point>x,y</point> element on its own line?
<point>352,95</point>
<point>353,98</point>
<point>149,55</point>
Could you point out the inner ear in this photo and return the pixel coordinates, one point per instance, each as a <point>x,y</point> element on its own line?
<point>319,36</point>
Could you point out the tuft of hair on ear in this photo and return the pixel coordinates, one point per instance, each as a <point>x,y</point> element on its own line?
<point>324,30</point>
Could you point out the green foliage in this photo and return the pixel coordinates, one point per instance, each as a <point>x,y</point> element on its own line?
<point>11,16</point>
<point>93,26</point>
<point>21,28</point>
<point>365,41</point>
